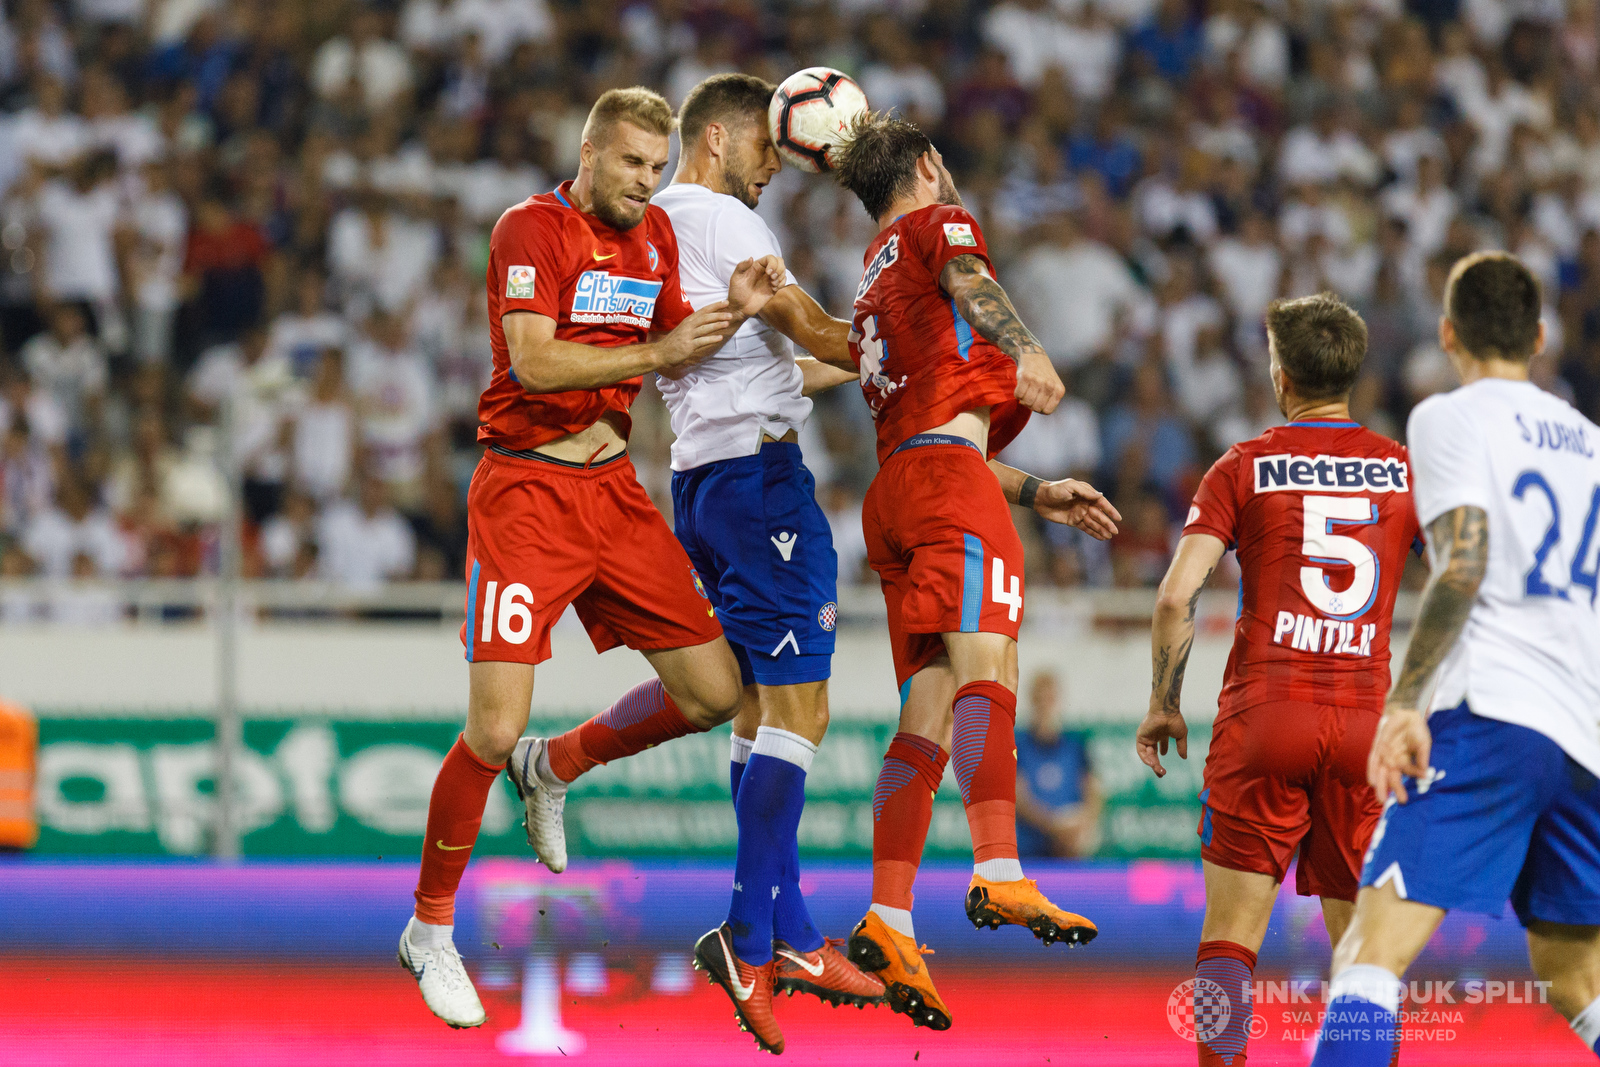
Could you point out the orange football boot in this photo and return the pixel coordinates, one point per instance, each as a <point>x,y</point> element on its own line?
<point>897,960</point>
<point>1020,903</point>
<point>825,974</point>
<point>750,988</point>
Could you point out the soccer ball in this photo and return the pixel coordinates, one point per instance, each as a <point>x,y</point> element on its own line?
<point>810,114</point>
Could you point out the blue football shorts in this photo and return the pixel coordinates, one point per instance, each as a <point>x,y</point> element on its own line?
<point>764,551</point>
<point>1504,812</point>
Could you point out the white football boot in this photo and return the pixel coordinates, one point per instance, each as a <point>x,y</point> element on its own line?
<point>442,977</point>
<point>542,805</point>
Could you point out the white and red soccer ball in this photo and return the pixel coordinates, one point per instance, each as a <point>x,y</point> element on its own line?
<point>811,114</point>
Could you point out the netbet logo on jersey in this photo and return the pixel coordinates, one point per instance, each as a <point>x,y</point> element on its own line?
<point>601,297</point>
<point>1330,474</point>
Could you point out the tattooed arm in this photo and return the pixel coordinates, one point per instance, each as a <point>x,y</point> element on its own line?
<point>1460,541</point>
<point>987,309</point>
<point>1171,638</point>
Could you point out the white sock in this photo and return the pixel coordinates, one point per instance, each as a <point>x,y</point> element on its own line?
<point>781,744</point>
<point>896,919</point>
<point>1587,1023</point>
<point>547,775</point>
<point>1001,870</point>
<point>740,752</point>
<point>1370,983</point>
<point>429,936</point>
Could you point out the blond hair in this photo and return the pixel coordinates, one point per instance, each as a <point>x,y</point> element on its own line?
<point>644,108</point>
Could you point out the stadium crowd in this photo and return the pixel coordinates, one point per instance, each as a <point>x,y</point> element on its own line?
<point>267,223</point>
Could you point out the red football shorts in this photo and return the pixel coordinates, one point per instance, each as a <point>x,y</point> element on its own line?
<point>1284,775</point>
<point>542,535</point>
<point>940,536</point>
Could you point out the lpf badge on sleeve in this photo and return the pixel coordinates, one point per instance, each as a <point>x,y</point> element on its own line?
<point>959,233</point>
<point>519,283</point>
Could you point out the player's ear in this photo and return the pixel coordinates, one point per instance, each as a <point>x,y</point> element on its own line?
<point>1447,334</point>
<point>1538,342</point>
<point>586,153</point>
<point>928,167</point>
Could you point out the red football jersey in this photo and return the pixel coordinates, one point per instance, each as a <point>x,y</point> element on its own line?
<point>921,365</point>
<point>1321,516</point>
<point>604,287</point>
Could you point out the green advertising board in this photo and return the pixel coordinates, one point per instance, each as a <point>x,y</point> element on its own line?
<point>359,788</point>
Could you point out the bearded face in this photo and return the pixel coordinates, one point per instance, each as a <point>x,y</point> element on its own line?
<point>751,161</point>
<point>627,168</point>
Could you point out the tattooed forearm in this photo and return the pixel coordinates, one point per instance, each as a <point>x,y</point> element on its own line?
<point>1175,690</point>
<point>1163,661</point>
<point>985,306</point>
<point>1194,597</point>
<point>1461,554</point>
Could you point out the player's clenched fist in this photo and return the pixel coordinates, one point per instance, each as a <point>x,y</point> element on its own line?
<point>1039,387</point>
<point>693,339</point>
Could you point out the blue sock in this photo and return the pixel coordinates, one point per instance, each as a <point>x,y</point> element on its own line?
<point>791,920</point>
<point>1359,1028</point>
<point>772,793</point>
<point>737,759</point>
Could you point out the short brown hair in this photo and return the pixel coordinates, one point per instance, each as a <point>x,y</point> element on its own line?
<point>1320,341</point>
<point>724,98</point>
<point>1493,302</point>
<point>879,160</point>
<point>645,108</point>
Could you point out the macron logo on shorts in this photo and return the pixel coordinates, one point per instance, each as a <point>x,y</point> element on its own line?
<point>1330,474</point>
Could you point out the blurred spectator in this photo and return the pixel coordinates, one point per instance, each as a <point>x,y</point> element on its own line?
<point>81,226</point>
<point>158,222</point>
<point>68,366</point>
<point>74,526</point>
<point>323,432</point>
<point>366,543</point>
<point>263,390</point>
<point>223,271</point>
<point>1145,440</point>
<point>1070,289</point>
<point>362,63</point>
<point>1059,800</point>
<point>393,393</point>
<point>303,333</point>
<point>1143,545</point>
<point>1062,444</point>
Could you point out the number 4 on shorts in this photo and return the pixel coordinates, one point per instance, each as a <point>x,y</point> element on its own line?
<point>1011,598</point>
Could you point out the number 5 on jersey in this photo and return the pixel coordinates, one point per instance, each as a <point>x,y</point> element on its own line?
<point>1322,545</point>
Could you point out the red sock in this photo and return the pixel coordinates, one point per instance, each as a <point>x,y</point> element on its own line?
<point>902,807</point>
<point>643,718</point>
<point>983,749</point>
<point>454,811</point>
<point>1230,967</point>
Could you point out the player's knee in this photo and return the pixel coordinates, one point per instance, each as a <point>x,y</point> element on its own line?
<point>714,699</point>
<point>492,742</point>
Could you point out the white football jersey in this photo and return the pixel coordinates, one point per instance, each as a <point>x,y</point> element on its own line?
<point>1530,653</point>
<point>721,407</point>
